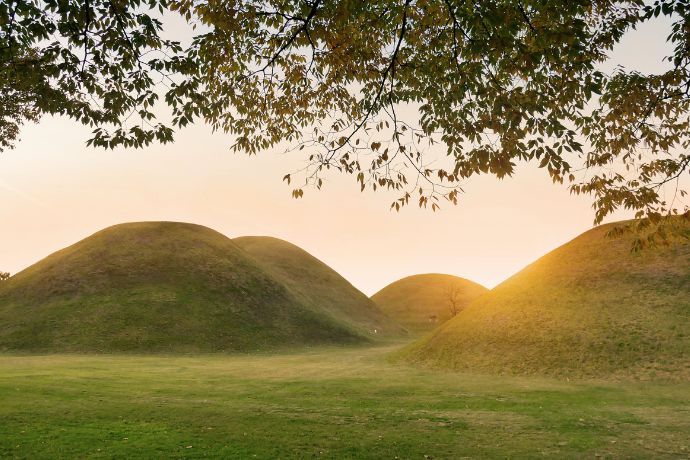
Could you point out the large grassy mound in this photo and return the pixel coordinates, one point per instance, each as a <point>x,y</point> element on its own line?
<point>421,302</point>
<point>319,286</point>
<point>156,286</point>
<point>589,308</point>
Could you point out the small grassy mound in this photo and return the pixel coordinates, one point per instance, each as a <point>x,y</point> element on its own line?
<point>590,308</point>
<point>157,287</point>
<point>422,302</point>
<point>319,286</point>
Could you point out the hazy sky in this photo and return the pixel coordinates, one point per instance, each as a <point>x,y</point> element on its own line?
<point>56,191</point>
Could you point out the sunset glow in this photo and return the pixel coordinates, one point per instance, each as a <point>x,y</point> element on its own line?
<point>57,191</point>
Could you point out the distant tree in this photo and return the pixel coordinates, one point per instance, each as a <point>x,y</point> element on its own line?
<point>4,276</point>
<point>494,82</point>
<point>453,297</point>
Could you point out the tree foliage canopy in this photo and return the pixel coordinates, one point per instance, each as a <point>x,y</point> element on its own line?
<point>489,83</point>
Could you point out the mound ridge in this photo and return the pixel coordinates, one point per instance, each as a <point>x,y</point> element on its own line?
<point>157,286</point>
<point>319,286</point>
<point>590,308</point>
<point>420,303</point>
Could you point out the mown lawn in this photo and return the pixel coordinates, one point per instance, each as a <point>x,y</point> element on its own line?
<point>328,403</point>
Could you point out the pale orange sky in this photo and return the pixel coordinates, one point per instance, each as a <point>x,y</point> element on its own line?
<point>56,191</point>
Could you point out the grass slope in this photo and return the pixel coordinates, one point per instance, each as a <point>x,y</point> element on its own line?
<point>318,285</point>
<point>156,286</point>
<point>421,302</point>
<point>588,308</point>
<point>330,404</point>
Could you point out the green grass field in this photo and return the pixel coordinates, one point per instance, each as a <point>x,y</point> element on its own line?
<point>323,403</point>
